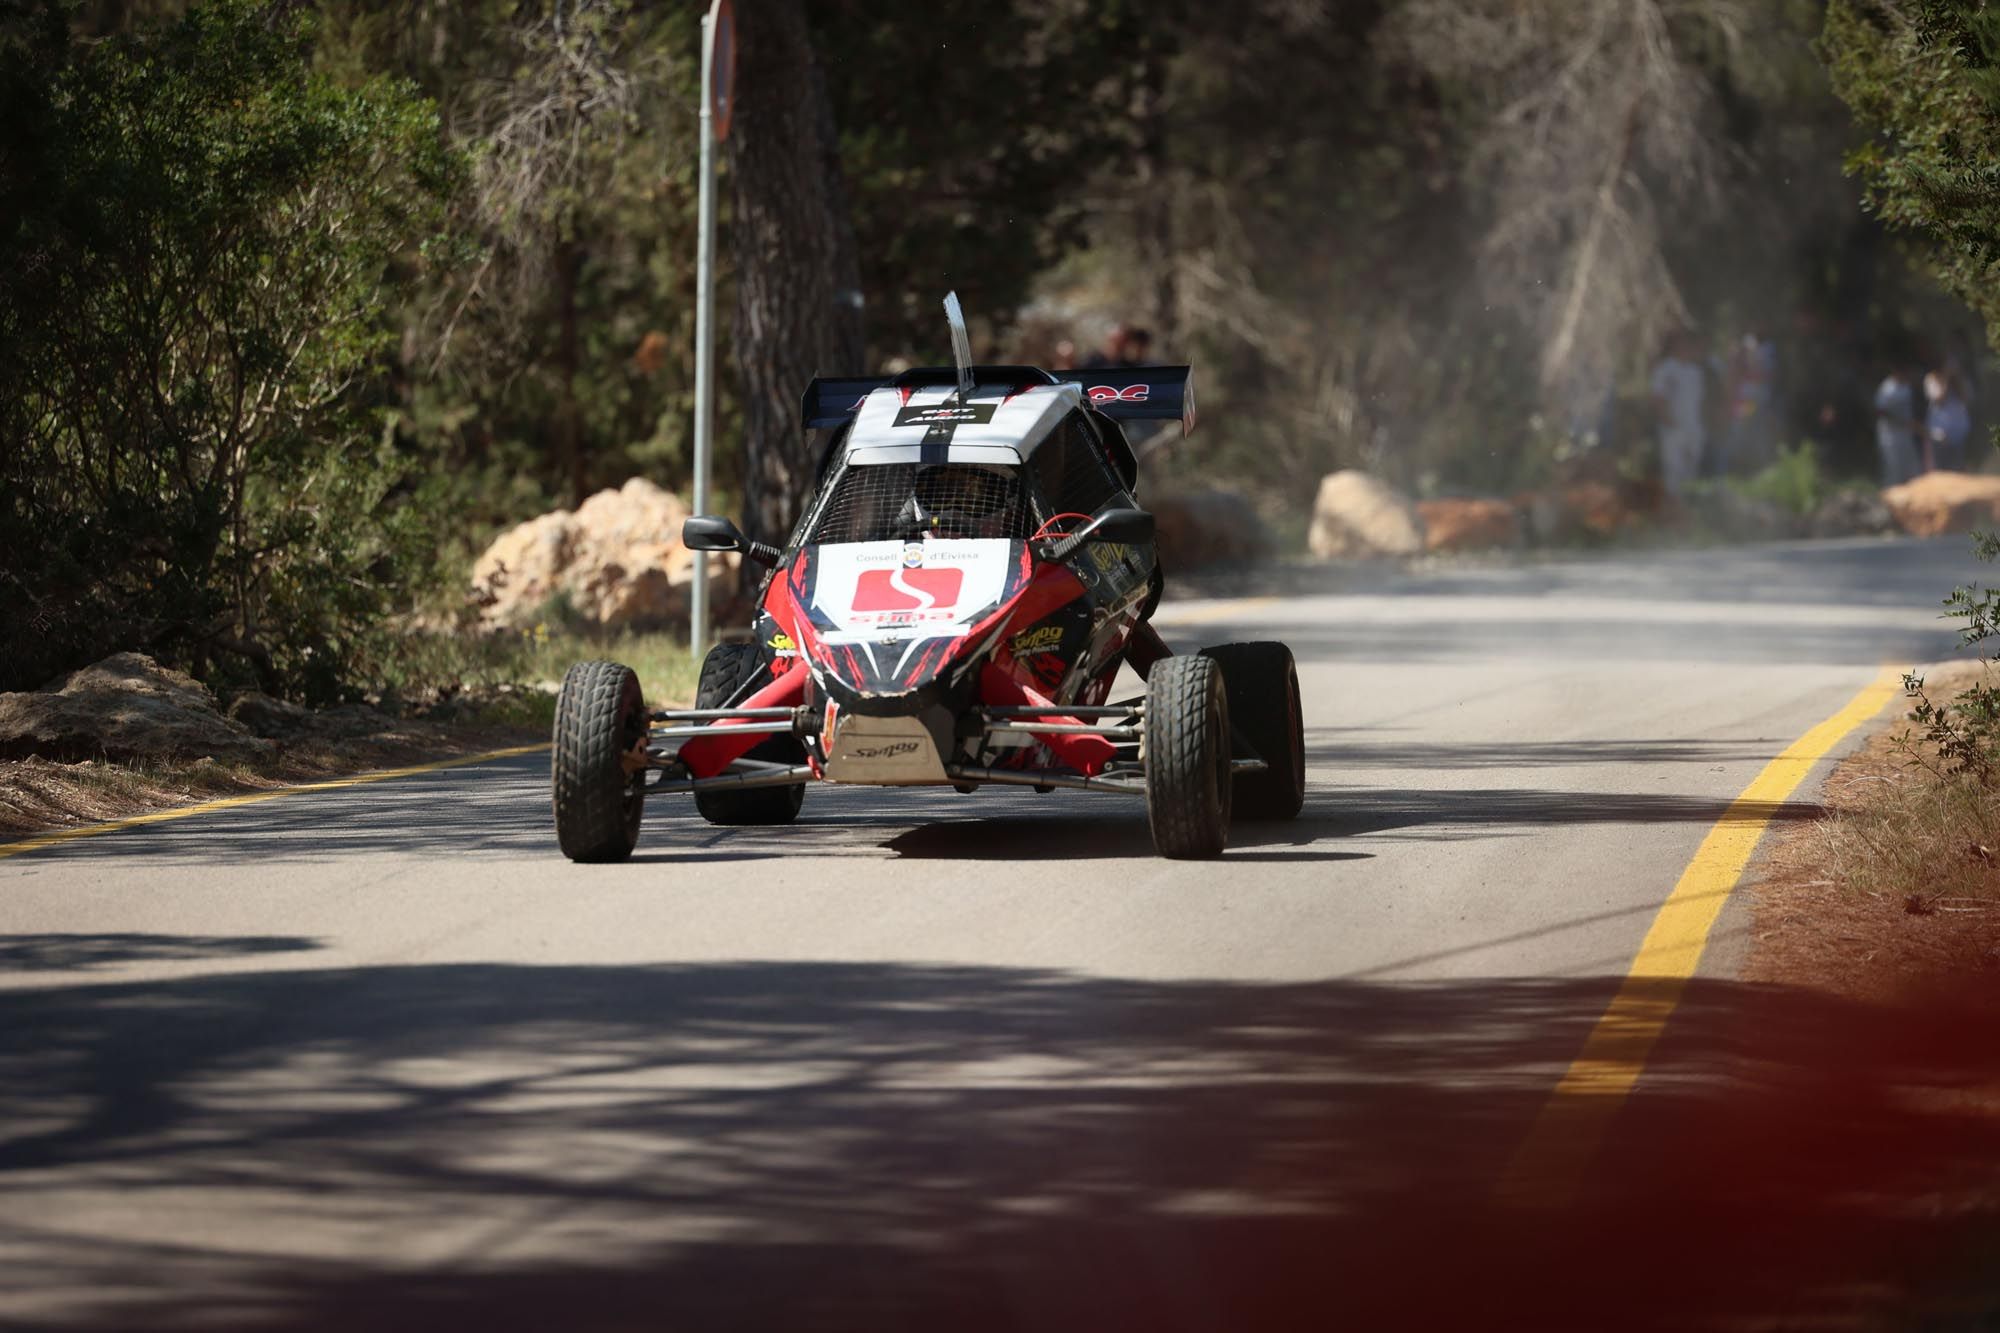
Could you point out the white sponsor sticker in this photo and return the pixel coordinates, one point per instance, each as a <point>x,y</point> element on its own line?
<point>893,591</point>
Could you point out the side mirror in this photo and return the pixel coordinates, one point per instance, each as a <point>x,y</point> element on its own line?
<point>1122,525</point>
<point>712,532</point>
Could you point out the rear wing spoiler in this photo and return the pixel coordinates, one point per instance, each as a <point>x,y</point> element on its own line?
<point>1128,393</point>
<point>1139,393</point>
<point>833,402</point>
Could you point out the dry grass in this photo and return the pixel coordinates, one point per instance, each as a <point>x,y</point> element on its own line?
<point>435,663</point>
<point>460,696</point>
<point>1897,887</point>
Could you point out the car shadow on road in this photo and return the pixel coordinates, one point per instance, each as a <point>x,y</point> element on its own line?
<point>795,1145</point>
<point>1075,839</point>
<point>500,811</point>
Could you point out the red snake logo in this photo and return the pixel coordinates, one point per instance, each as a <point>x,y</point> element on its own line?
<point>908,589</point>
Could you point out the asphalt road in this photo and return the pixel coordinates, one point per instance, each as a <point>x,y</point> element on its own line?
<point>380,1058</point>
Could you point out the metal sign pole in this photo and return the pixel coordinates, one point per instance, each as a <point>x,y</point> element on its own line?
<point>704,333</point>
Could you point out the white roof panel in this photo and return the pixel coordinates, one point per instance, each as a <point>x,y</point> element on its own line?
<point>927,424</point>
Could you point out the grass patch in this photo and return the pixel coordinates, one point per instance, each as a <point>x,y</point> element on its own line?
<point>1794,481</point>
<point>513,674</point>
<point>1912,836</point>
<point>1905,823</point>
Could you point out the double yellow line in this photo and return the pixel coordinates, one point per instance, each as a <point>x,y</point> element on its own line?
<point>1558,1150</point>
<point>57,837</point>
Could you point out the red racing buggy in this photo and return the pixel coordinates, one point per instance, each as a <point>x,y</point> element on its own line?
<point>965,583</point>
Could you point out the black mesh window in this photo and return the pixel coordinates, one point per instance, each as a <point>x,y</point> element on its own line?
<point>1071,471</point>
<point>908,501</point>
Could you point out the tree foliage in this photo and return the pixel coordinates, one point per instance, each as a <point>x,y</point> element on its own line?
<point>298,297</point>
<point>1440,240</point>
<point>968,147</point>
<point>1924,77</point>
<point>191,281</point>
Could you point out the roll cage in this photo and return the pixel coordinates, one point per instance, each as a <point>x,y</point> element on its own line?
<point>1084,465</point>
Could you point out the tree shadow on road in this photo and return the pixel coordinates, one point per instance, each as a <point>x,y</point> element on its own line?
<point>73,952</point>
<point>779,1145</point>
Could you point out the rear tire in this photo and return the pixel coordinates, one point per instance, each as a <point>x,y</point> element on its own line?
<point>1188,793</point>
<point>600,718</point>
<point>725,672</point>
<point>1263,686</point>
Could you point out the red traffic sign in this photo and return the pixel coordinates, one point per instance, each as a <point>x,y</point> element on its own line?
<point>721,67</point>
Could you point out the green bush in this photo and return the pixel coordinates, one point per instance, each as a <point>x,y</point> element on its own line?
<point>199,234</point>
<point>1965,732</point>
<point>1795,482</point>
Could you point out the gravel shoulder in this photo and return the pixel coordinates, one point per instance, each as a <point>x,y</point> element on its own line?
<point>38,794</point>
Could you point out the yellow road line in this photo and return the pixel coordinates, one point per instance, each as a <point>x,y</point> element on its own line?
<point>1558,1150</point>
<point>56,837</point>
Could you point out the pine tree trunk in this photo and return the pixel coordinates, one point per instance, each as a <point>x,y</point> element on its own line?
<point>1153,190</point>
<point>798,279</point>
<point>569,423</point>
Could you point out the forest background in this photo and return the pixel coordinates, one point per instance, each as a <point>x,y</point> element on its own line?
<point>302,300</point>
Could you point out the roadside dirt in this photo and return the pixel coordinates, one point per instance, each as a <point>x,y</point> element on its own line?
<point>1822,919</point>
<point>1892,905</point>
<point>41,794</point>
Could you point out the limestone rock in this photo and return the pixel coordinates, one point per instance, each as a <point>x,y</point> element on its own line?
<point>1941,502</point>
<point>618,560</point>
<point>523,567</point>
<point>1354,514</point>
<point>1584,511</point>
<point>1469,525</point>
<point>124,707</point>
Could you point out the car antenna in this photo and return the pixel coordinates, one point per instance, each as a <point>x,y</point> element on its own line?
<point>961,345</point>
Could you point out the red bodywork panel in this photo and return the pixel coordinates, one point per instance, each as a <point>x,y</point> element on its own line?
<point>706,756</point>
<point>1003,688</point>
<point>1003,682</point>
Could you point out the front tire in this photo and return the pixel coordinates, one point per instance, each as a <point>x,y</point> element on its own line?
<point>726,675</point>
<point>600,719</point>
<point>1263,686</point>
<point>1188,793</point>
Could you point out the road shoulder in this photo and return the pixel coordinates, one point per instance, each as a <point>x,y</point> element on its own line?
<point>39,796</point>
<point>1908,937</point>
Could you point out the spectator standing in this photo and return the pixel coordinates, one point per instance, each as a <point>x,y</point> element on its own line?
<point>1896,428</point>
<point>1124,347</point>
<point>1948,423</point>
<point>1750,435</point>
<point>1679,390</point>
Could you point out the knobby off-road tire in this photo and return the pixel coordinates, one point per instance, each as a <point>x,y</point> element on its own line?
<point>600,717</point>
<point>1263,687</point>
<point>725,673</point>
<point>1187,757</point>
